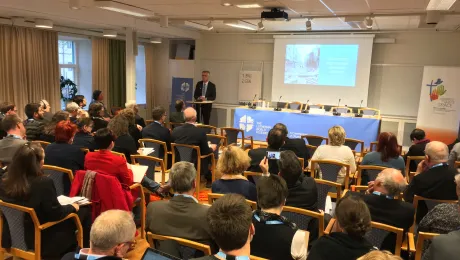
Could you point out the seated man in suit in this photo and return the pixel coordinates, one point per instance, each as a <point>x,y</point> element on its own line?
<point>178,116</point>
<point>181,216</point>
<point>6,108</point>
<point>275,140</point>
<point>434,179</point>
<point>417,136</point>
<point>191,135</point>
<point>16,134</point>
<point>157,131</point>
<point>297,145</point>
<point>384,208</point>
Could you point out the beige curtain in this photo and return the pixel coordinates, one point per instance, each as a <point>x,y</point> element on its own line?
<point>29,67</point>
<point>150,77</point>
<point>100,52</point>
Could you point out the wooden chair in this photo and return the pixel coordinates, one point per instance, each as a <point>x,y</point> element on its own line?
<point>373,147</point>
<point>380,231</point>
<point>148,121</point>
<point>417,160</point>
<point>214,196</point>
<point>324,189</point>
<point>185,245</point>
<point>311,149</point>
<point>141,205</point>
<point>329,170</point>
<point>157,146</point>
<point>251,257</point>
<point>254,175</point>
<point>315,140</point>
<point>372,172</point>
<point>457,164</point>
<point>369,111</point>
<point>192,153</point>
<point>15,215</point>
<point>115,153</point>
<point>342,110</point>
<point>219,141</point>
<point>85,150</point>
<point>209,128</point>
<point>317,106</point>
<point>353,144</point>
<point>231,134</point>
<point>174,125</point>
<point>42,143</point>
<point>302,162</point>
<point>295,105</point>
<point>302,218</point>
<point>152,163</point>
<point>430,204</point>
<point>421,238</point>
<point>59,176</point>
<point>359,188</point>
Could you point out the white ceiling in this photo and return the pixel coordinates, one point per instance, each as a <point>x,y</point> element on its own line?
<point>390,15</point>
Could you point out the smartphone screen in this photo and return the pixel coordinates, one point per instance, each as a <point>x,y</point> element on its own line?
<point>273,155</point>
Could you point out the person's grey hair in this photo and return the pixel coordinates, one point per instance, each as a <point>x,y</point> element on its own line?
<point>71,107</point>
<point>394,188</point>
<point>182,176</point>
<point>111,228</point>
<point>130,104</point>
<point>437,151</point>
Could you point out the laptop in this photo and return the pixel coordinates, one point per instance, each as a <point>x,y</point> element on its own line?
<point>154,254</point>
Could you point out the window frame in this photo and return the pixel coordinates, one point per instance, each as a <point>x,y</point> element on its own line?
<point>75,65</point>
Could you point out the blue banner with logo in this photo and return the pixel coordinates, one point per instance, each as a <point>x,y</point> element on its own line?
<point>257,123</point>
<point>182,88</point>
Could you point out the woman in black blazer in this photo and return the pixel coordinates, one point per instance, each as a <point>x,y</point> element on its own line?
<point>84,137</point>
<point>96,112</point>
<point>25,185</point>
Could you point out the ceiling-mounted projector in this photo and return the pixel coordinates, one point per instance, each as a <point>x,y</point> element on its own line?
<point>275,14</point>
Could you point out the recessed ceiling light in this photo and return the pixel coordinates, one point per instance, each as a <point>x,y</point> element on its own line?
<point>368,22</point>
<point>244,3</point>
<point>240,24</point>
<point>210,26</point>
<point>440,4</point>
<point>155,40</point>
<point>109,33</point>
<point>43,23</point>
<point>196,25</point>
<point>123,8</point>
<point>75,4</point>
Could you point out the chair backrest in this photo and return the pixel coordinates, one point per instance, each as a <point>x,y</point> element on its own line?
<point>115,153</point>
<point>314,140</point>
<point>295,105</point>
<point>158,147</point>
<point>42,143</point>
<point>311,149</point>
<point>215,196</point>
<point>380,231</point>
<point>281,104</point>
<point>187,248</point>
<point>457,164</point>
<point>208,128</point>
<point>148,121</point>
<point>358,188</point>
<point>231,134</point>
<point>173,125</point>
<point>85,150</point>
<point>369,111</point>
<point>430,204</point>
<point>330,170</point>
<point>373,146</point>
<point>254,175</point>
<point>421,238</point>
<point>324,187</point>
<point>342,110</point>
<point>151,162</point>
<point>302,218</point>
<point>370,170</point>
<point>59,176</point>
<point>219,141</point>
<point>188,153</point>
<point>353,144</point>
<point>416,159</point>
<point>318,106</point>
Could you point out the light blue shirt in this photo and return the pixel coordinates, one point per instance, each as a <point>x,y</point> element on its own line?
<point>205,87</point>
<point>224,256</point>
<point>187,196</point>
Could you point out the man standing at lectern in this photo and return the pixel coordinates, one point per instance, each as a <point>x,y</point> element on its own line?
<point>205,90</point>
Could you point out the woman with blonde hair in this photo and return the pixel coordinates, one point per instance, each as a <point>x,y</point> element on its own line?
<point>336,151</point>
<point>379,255</point>
<point>232,163</point>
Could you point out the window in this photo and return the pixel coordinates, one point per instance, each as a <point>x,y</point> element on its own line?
<point>67,60</point>
<point>140,76</point>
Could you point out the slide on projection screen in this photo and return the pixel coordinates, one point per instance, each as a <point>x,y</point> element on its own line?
<point>322,69</point>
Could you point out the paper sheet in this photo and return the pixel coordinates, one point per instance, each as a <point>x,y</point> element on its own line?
<point>139,172</point>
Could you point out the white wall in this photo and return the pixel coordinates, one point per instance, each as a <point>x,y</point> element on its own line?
<point>396,72</point>
<point>162,79</point>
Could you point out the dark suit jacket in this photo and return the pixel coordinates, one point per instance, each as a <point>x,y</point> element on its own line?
<point>135,134</point>
<point>417,149</point>
<point>177,117</point>
<point>65,155</point>
<point>125,144</point>
<point>180,217</point>
<point>99,123</point>
<point>140,121</point>
<point>257,155</point>
<point>84,140</point>
<point>298,146</point>
<point>8,147</point>
<point>210,91</point>
<point>158,132</point>
<point>444,247</point>
<point>191,135</point>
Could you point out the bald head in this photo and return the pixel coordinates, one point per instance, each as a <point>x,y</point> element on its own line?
<point>390,182</point>
<point>190,115</point>
<point>437,152</point>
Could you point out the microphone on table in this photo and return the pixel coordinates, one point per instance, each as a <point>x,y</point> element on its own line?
<point>277,104</point>
<point>336,113</point>
<point>306,110</point>
<point>360,106</point>
<point>251,105</point>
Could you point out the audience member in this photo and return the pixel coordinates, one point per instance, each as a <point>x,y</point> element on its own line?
<point>231,164</point>
<point>229,220</point>
<point>444,246</point>
<point>104,161</point>
<point>98,97</point>
<point>276,237</point>
<point>379,255</point>
<point>96,112</point>
<point>387,155</point>
<point>25,185</point>
<point>73,109</point>
<point>178,115</point>
<point>80,100</point>
<point>275,140</point>
<point>191,135</point>
<point>6,108</point>
<point>157,131</point>
<point>45,105</point>
<point>454,155</point>
<point>134,129</point>
<point>181,216</point>
<point>112,236</point>
<point>16,135</point>
<point>124,143</point>
<point>434,179</point>
<point>297,145</point>
<point>34,123</point>
<point>419,141</point>
<point>346,241</point>
<point>384,206</point>
<point>84,138</point>
<point>48,134</point>
<point>138,119</point>
<point>335,150</point>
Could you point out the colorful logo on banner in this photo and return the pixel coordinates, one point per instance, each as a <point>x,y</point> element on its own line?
<point>181,89</point>
<point>246,123</point>
<point>437,89</point>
